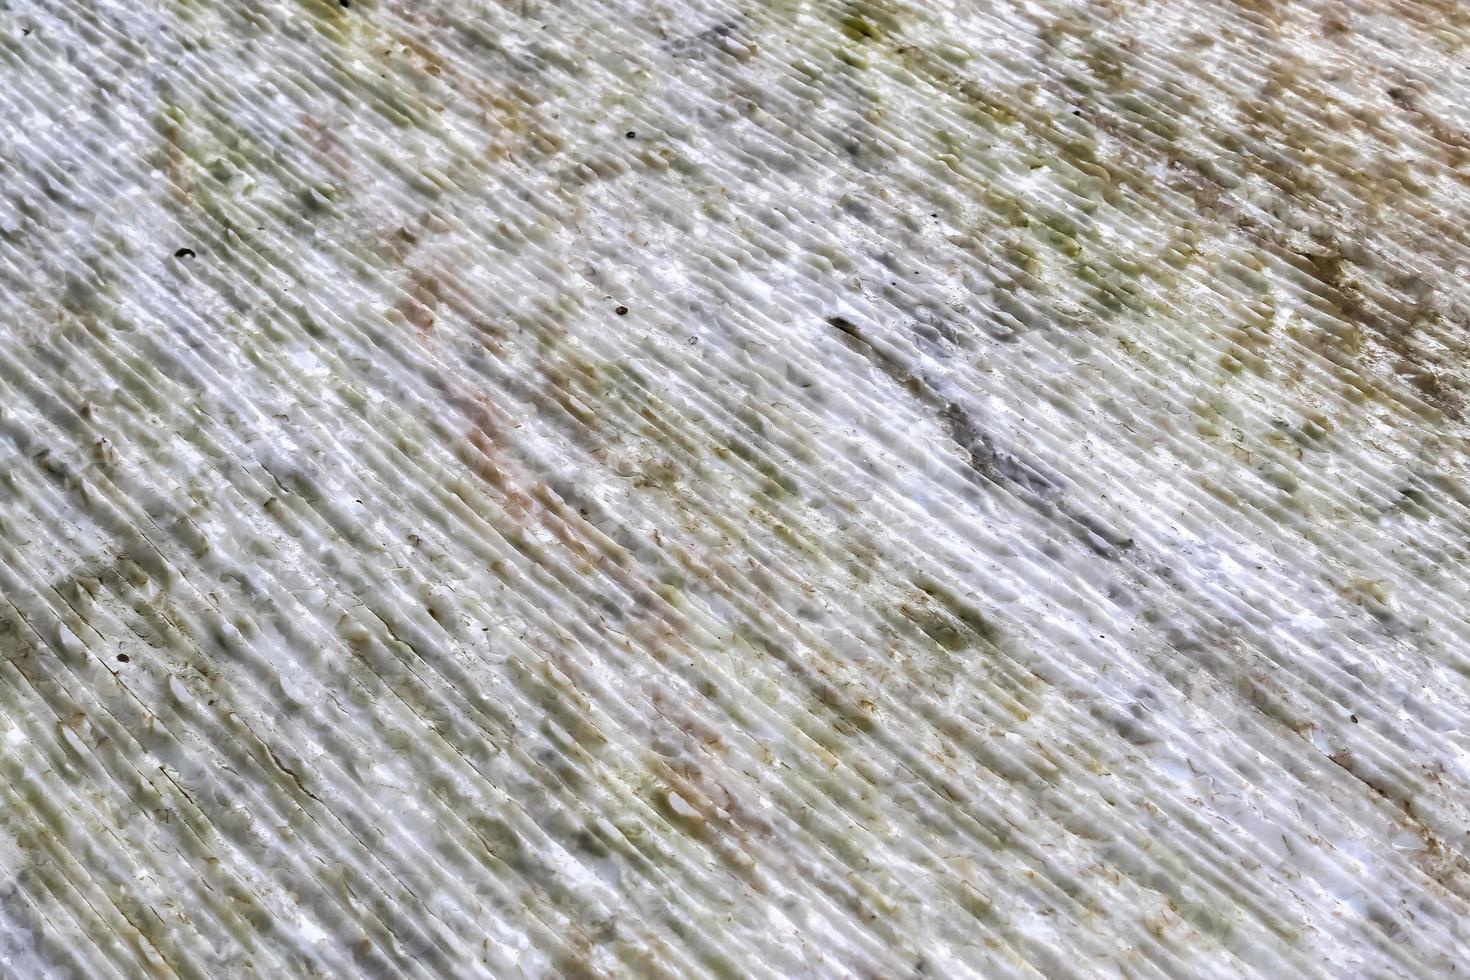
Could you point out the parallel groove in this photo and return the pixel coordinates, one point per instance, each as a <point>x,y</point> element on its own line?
<point>549,641</point>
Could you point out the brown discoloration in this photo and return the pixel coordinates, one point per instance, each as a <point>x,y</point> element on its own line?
<point>1355,288</point>
<point>490,461</point>
<point>1455,142</point>
<point>322,139</point>
<point>171,158</point>
<point>422,301</point>
<point>1447,866</point>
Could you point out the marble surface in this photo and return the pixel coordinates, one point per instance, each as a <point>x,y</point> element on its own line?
<point>708,488</point>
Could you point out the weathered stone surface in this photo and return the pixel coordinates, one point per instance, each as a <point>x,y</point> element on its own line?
<point>882,488</point>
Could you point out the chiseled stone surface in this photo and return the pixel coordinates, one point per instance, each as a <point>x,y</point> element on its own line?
<point>727,488</point>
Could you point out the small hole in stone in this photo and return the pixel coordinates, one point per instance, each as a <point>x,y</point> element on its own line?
<point>184,253</point>
<point>621,311</point>
<point>123,658</point>
<point>630,134</point>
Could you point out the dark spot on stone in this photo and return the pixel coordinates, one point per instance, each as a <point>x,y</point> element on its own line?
<point>345,4</point>
<point>184,253</point>
<point>1353,719</point>
<point>621,311</point>
<point>123,658</point>
<point>630,134</point>
<point>859,28</point>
